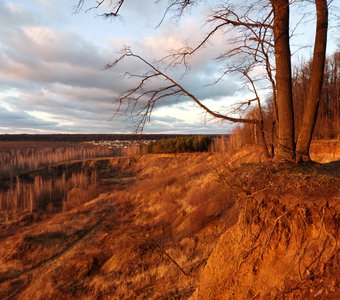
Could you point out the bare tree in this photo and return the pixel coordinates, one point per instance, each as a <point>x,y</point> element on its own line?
<point>262,40</point>
<point>283,80</point>
<point>315,83</point>
<point>149,96</point>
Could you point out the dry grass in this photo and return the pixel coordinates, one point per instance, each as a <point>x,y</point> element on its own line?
<point>153,244</point>
<point>151,236</point>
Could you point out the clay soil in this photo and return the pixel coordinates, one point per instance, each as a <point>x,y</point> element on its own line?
<point>179,227</point>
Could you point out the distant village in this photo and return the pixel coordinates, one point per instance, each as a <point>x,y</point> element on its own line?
<point>120,143</point>
<point>122,147</point>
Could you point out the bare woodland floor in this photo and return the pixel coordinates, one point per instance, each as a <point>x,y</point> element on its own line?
<point>183,226</point>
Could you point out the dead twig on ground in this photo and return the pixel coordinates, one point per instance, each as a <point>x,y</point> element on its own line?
<point>168,256</point>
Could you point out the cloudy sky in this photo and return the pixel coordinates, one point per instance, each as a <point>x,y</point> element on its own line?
<point>52,77</point>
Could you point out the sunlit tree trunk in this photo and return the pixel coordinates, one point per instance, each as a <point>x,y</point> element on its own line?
<point>315,83</point>
<point>285,131</point>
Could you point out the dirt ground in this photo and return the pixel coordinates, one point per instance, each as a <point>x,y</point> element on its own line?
<point>181,226</point>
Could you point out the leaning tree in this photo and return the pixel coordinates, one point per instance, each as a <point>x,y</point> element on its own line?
<point>261,39</point>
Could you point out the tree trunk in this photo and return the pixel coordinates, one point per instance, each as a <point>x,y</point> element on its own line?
<point>315,83</point>
<point>261,137</point>
<point>285,139</point>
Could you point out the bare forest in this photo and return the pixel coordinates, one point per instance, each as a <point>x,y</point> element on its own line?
<point>30,183</point>
<point>328,119</point>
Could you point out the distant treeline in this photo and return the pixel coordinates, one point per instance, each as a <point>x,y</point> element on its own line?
<point>180,144</point>
<point>88,137</point>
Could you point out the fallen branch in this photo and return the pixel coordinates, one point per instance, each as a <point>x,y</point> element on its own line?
<point>168,256</point>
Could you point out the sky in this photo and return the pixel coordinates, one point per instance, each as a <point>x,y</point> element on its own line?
<point>53,80</point>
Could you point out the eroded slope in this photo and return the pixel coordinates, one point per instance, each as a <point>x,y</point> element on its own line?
<point>154,234</point>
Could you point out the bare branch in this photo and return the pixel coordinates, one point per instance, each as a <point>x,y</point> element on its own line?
<point>148,96</point>
<point>113,12</point>
<point>227,18</point>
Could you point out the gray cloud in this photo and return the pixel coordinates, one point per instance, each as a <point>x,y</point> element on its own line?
<point>13,17</point>
<point>22,120</point>
<point>173,126</point>
<point>60,73</point>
